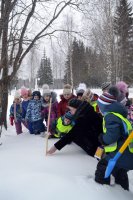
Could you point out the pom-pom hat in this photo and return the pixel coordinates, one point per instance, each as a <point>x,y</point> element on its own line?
<point>46,90</point>
<point>122,86</point>
<point>17,95</point>
<point>80,92</point>
<point>106,98</point>
<point>23,91</point>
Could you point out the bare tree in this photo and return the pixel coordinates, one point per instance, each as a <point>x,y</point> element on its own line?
<point>101,34</point>
<point>16,37</point>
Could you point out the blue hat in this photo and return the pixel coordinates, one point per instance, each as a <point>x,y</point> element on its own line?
<point>36,93</point>
<point>68,115</point>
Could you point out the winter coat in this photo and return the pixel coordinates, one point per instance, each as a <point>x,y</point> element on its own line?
<point>24,108</point>
<point>54,107</point>
<point>18,111</point>
<point>88,126</point>
<point>115,133</point>
<point>62,106</point>
<point>34,111</point>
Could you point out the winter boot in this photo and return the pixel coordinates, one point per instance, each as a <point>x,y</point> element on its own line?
<point>100,172</point>
<point>121,178</point>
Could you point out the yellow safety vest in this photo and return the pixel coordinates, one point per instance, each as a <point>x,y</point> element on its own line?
<point>94,104</point>
<point>61,128</point>
<point>127,127</point>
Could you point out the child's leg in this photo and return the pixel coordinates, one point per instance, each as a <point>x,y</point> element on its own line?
<point>121,178</point>
<point>30,127</point>
<point>38,127</point>
<point>100,172</point>
<point>25,124</point>
<point>18,127</point>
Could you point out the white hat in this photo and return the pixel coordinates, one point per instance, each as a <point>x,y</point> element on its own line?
<point>46,90</point>
<point>17,95</point>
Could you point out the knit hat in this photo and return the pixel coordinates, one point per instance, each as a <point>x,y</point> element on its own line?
<point>105,86</point>
<point>75,103</point>
<point>122,86</point>
<point>80,92</point>
<point>114,91</point>
<point>68,115</point>
<point>17,95</point>
<point>80,89</point>
<point>36,93</point>
<point>67,89</point>
<point>23,91</point>
<point>46,90</point>
<point>105,100</point>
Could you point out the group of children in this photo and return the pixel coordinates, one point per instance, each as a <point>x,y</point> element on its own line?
<point>32,109</point>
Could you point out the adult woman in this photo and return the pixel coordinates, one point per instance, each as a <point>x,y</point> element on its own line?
<point>88,126</point>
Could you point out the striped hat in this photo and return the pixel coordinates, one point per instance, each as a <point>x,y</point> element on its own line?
<point>106,98</point>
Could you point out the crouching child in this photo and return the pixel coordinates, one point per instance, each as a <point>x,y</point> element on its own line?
<point>62,125</point>
<point>116,128</point>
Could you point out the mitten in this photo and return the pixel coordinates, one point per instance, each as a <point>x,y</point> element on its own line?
<point>11,120</point>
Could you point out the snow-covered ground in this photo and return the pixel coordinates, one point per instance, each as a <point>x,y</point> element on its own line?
<point>26,173</point>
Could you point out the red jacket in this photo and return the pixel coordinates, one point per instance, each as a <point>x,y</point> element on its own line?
<point>62,106</point>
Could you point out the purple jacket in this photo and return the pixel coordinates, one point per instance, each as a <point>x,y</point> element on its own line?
<point>45,109</point>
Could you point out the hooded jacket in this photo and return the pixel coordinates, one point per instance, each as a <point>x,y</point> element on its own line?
<point>115,133</point>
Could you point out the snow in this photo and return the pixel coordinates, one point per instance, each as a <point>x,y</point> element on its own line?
<point>26,173</point>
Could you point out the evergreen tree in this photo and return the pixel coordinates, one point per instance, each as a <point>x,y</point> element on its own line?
<point>79,65</point>
<point>44,74</point>
<point>87,66</point>
<point>123,23</point>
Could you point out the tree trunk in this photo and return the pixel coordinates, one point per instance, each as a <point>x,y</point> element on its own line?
<point>4,102</point>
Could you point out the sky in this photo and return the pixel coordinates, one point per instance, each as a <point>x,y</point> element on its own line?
<point>26,173</point>
<point>52,46</point>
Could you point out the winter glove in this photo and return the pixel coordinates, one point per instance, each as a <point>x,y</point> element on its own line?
<point>11,120</point>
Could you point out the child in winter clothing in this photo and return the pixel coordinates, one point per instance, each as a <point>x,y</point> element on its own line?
<point>116,131</point>
<point>62,125</point>
<point>80,90</point>
<point>65,98</point>
<point>47,94</point>
<point>16,113</point>
<point>25,102</point>
<point>33,114</point>
<point>91,97</point>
